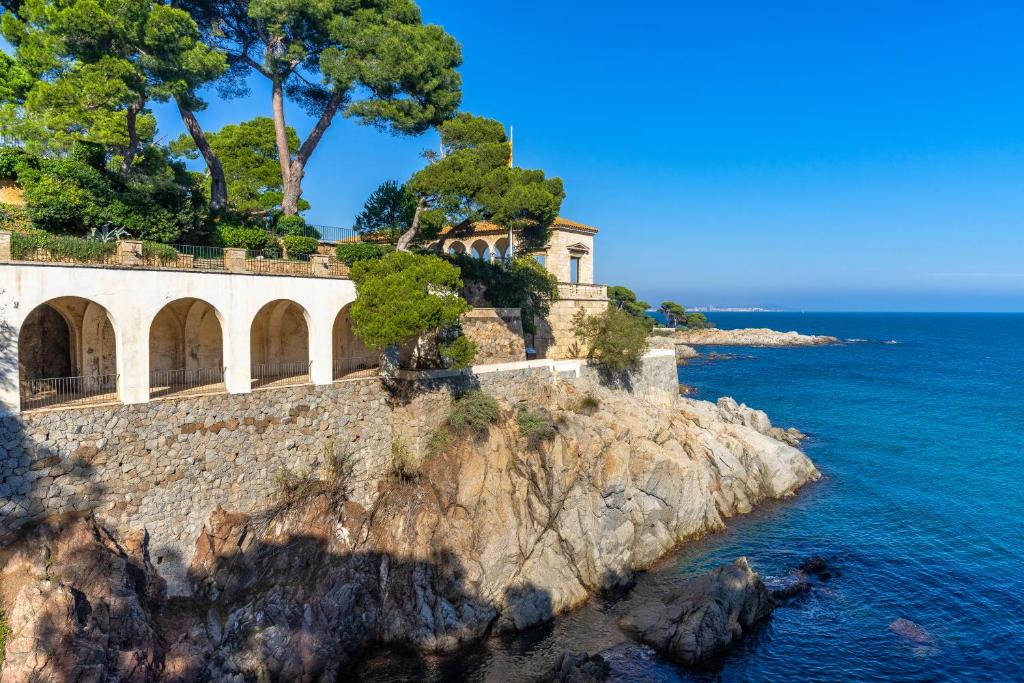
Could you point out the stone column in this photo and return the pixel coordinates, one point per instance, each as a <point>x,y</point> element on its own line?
<point>236,342</point>
<point>129,252</point>
<point>5,245</point>
<point>318,265</point>
<point>132,344</point>
<point>321,347</point>
<point>234,260</point>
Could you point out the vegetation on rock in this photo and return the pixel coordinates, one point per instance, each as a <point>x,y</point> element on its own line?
<point>535,426</point>
<point>474,411</point>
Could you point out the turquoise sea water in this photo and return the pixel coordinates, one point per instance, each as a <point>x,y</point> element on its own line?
<point>917,425</point>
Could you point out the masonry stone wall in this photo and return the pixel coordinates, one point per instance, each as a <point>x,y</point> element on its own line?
<point>555,336</point>
<point>166,465</point>
<point>497,332</point>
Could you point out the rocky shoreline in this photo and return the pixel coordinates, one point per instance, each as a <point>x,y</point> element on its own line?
<point>495,534</point>
<point>753,336</point>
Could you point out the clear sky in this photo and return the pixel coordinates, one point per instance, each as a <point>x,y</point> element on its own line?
<point>812,155</point>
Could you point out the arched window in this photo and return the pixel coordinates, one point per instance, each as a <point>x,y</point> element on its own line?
<point>456,248</point>
<point>186,349</point>
<point>279,345</point>
<point>480,250</point>
<point>67,354</point>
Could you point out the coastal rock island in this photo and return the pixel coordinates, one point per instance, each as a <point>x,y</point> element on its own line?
<point>497,532</point>
<point>754,336</point>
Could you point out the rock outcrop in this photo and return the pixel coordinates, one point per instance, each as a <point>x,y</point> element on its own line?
<point>578,667</point>
<point>754,336</point>
<point>494,534</point>
<point>705,615</point>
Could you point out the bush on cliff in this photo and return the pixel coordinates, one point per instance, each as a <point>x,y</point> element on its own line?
<point>475,410</point>
<point>614,339</point>
<point>5,632</point>
<point>535,426</point>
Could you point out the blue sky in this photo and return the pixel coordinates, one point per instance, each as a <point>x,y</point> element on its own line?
<point>812,155</point>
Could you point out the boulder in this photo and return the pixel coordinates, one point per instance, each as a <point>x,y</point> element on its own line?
<point>706,614</point>
<point>578,667</point>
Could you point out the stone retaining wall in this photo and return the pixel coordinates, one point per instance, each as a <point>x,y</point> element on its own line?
<point>497,332</point>
<point>165,465</point>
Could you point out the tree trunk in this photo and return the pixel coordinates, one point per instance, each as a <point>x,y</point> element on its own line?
<point>133,135</point>
<point>297,169</point>
<point>284,155</point>
<point>409,235</point>
<point>218,184</point>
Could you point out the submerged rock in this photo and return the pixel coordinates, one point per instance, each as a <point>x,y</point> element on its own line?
<point>705,615</point>
<point>578,667</point>
<point>910,631</point>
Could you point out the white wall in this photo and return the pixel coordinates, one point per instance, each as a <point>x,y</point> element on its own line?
<point>133,297</point>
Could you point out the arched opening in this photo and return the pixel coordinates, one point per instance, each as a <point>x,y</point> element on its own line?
<point>279,345</point>
<point>351,357</point>
<point>480,250</point>
<point>456,248</point>
<point>67,355</point>
<point>503,249</point>
<point>186,349</point>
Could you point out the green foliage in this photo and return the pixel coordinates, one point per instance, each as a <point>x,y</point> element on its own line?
<point>14,218</point>
<point>10,157</point>
<point>471,182</point>
<point>87,69</point>
<point>588,405</point>
<point>295,225</point>
<point>300,246</point>
<point>458,353</point>
<point>60,247</point>
<point>244,237</point>
<point>674,313</point>
<point>5,633</point>
<point>389,210</point>
<point>615,339</point>
<point>402,296</point>
<point>156,199</point>
<point>252,170</point>
<point>522,284</point>
<point>696,321</point>
<point>535,426</point>
<point>438,442</point>
<point>404,464</point>
<point>474,411</point>
<point>350,252</point>
<point>164,253</point>
<point>625,299</point>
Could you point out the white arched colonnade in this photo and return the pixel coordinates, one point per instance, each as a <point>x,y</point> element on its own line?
<point>132,300</point>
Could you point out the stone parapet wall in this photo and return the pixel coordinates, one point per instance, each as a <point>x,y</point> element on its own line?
<point>497,333</point>
<point>555,336</point>
<point>166,465</point>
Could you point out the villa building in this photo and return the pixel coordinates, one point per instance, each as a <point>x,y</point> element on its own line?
<point>126,326</point>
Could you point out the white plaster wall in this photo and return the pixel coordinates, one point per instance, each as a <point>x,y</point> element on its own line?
<point>133,297</point>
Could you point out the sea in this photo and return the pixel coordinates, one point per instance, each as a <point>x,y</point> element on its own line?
<point>916,422</point>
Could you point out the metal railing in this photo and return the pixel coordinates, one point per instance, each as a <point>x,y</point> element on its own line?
<point>358,365</point>
<point>182,381</point>
<point>281,374</point>
<point>272,261</point>
<point>329,233</point>
<point>49,248</point>
<point>191,257</point>
<point>68,391</point>
<point>338,269</point>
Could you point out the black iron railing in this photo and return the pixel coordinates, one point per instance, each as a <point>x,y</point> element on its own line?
<point>68,391</point>
<point>182,381</point>
<point>281,373</point>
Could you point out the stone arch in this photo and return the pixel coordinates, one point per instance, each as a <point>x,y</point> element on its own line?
<point>503,248</point>
<point>349,352</point>
<point>67,354</point>
<point>279,341</point>
<point>186,348</point>
<point>456,247</point>
<point>480,249</point>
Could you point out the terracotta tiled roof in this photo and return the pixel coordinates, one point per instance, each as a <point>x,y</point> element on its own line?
<point>486,228</point>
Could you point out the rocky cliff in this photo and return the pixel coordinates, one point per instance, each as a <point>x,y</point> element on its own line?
<point>494,533</point>
<point>754,336</point>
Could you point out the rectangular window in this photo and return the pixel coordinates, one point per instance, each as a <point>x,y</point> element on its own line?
<point>574,269</point>
<point>541,259</point>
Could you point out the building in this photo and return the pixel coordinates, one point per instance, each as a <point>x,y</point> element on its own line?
<point>569,257</point>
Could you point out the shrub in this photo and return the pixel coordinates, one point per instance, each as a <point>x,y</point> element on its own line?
<point>295,225</point>
<point>535,426</point>
<point>403,463</point>
<point>300,246</point>
<point>5,632</point>
<point>60,247</point>
<point>458,353</point>
<point>403,296</point>
<point>615,339</point>
<point>14,218</point>
<point>294,487</point>
<point>438,442</point>
<point>164,253</point>
<point>475,410</point>
<point>350,252</point>
<point>524,284</point>
<point>588,404</point>
<point>243,237</point>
